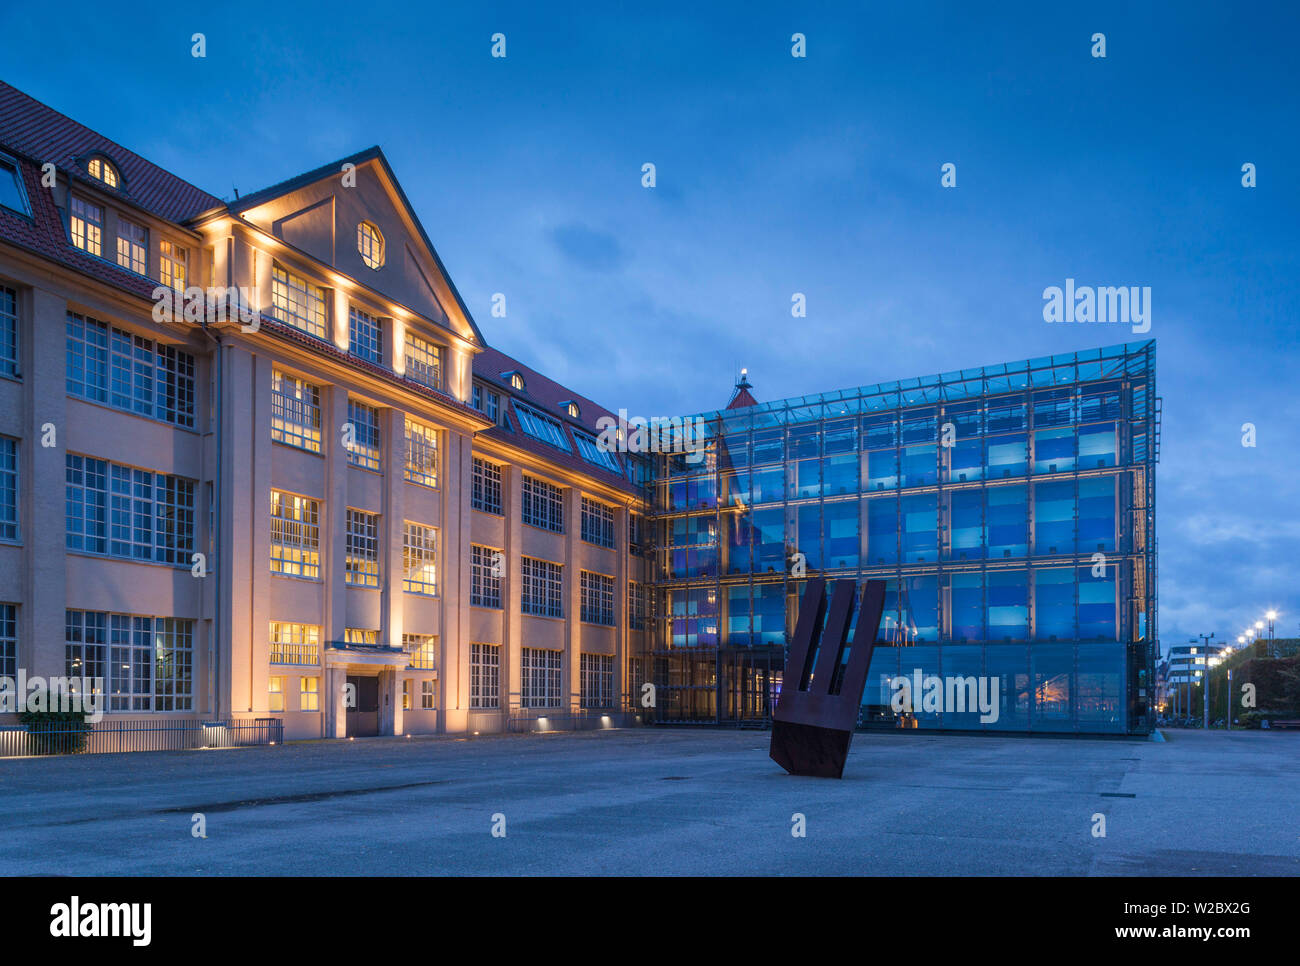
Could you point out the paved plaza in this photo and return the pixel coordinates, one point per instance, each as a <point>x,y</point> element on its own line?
<point>664,802</point>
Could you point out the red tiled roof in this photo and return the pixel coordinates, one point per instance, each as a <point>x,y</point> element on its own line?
<point>42,134</point>
<point>44,235</point>
<point>546,395</point>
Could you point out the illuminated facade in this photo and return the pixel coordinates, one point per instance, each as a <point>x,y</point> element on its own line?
<point>323,498</point>
<point>1009,508</point>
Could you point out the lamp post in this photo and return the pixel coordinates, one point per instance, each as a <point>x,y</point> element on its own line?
<point>1272,616</point>
<point>1205,681</point>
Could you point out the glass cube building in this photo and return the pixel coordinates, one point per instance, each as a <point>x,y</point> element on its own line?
<point>1010,509</point>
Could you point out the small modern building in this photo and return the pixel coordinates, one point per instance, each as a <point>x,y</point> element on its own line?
<point>1010,509</point>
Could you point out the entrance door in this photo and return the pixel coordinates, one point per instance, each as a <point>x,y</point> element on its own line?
<point>363,720</point>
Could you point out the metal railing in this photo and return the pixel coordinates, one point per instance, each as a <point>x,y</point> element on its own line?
<point>141,734</point>
<point>544,720</point>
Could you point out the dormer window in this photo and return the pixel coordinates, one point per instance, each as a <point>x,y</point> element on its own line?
<point>515,379</point>
<point>102,170</point>
<point>370,243</point>
<point>571,407</point>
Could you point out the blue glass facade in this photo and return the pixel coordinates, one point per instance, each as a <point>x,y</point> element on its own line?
<point>1009,508</point>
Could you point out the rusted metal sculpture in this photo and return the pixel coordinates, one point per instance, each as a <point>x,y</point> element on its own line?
<point>818,708</point>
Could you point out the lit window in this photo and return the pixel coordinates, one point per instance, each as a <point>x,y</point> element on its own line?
<point>422,650</point>
<point>275,693</point>
<point>361,566</point>
<point>87,224</point>
<point>173,263</point>
<point>295,412</point>
<point>406,695</point>
<point>296,302</point>
<point>419,559</point>
<point>421,454</point>
<point>309,694</point>
<point>294,643</point>
<point>102,170</point>
<point>132,246</point>
<point>572,409</point>
<point>516,379</point>
<point>12,194</point>
<point>423,362</point>
<point>295,535</point>
<point>370,244</point>
<point>363,637</point>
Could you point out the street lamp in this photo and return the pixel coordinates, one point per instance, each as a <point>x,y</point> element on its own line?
<point>1205,681</point>
<point>1272,616</point>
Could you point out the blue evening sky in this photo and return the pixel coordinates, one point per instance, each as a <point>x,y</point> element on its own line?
<point>779,175</point>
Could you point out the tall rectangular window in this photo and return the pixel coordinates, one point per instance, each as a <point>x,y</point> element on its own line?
<point>9,640</point>
<point>364,448</point>
<point>294,643</point>
<point>542,590</point>
<point>296,302</point>
<point>275,693</point>
<point>8,332</point>
<point>543,505</point>
<point>361,568</point>
<point>419,558</point>
<point>596,674</point>
<point>487,402</point>
<point>309,694</point>
<point>146,662</point>
<point>295,412</point>
<point>127,512</point>
<point>597,523</point>
<point>173,264</point>
<point>421,460</point>
<point>422,649</point>
<point>485,576</point>
<point>295,535</point>
<point>484,676</point>
<point>132,246</point>
<point>129,372</point>
<point>8,488</point>
<point>365,336</point>
<point>597,598</point>
<point>423,361</point>
<point>87,224</point>
<point>485,493</point>
<point>426,695</point>
<point>635,606</point>
<point>541,678</point>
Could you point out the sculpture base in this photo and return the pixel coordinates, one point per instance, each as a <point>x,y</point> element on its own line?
<point>810,750</point>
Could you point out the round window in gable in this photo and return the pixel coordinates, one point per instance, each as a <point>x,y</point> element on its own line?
<point>102,170</point>
<point>370,244</point>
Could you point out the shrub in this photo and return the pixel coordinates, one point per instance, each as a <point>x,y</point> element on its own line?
<point>54,732</point>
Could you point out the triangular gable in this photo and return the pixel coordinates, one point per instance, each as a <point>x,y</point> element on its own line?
<point>319,215</point>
